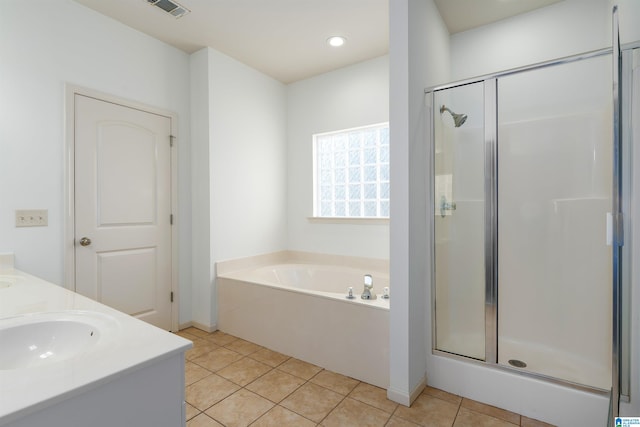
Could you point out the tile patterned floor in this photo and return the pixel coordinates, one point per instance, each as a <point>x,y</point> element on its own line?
<point>232,382</point>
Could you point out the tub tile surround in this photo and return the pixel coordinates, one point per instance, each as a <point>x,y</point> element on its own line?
<point>291,392</point>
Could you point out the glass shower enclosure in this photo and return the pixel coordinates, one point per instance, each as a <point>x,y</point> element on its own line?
<point>522,190</point>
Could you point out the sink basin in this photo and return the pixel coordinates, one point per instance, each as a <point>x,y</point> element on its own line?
<point>35,340</point>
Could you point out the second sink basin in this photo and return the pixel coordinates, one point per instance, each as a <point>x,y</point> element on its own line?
<point>35,340</point>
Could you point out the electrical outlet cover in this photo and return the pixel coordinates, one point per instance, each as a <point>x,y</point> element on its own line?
<point>32,218</point>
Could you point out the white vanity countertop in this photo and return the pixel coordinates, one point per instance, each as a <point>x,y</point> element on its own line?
<point>127,345</point>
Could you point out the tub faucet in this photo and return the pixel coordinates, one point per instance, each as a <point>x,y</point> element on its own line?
<point>368,288</point>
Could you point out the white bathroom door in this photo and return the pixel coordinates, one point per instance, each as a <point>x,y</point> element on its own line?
<point>123,209</point>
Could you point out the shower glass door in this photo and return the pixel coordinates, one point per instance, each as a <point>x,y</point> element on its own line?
<point>554,192</point>
<point>458,220</point>
<point>522,188</point>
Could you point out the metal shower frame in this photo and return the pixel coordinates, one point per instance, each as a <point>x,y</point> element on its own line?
<point>620,370</point>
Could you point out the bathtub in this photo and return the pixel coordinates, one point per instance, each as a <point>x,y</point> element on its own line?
<point>301,310</point>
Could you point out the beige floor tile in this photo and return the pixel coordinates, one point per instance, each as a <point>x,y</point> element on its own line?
<point>529,422</point>
<point>217,359</point>
<point>220,338</point>
<point>220,364</point>
<point>469,418</point>
<point>193,373</point>
<point>200,348</point>
<point>209,391</point>
<point>244,371</point>
<point>492,411</point>
<point>429,411</point>
<point>195,332</point>
<point>240,409</point>
<point>399,422</point>
<point>299,368</point>
<point>336,382</point>
<point>374,396</point>
<point>192,411</point>
<point>282,417</point>
<point>275,385</point>
<point>312,401</point>
<point>243,347</point>
<point>203,421</point>
<point>184,334</point>
<point>440,394</point>
<point>352,412</point>
<point>269,357</point>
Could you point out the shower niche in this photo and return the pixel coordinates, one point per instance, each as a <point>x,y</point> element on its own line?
<point>522,185</point>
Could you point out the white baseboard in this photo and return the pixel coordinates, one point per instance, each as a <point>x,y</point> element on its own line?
<point>185,325</point>
<point>199,325</point>
<point>404,398</point>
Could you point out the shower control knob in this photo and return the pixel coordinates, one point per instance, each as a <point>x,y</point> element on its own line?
<point>85,241</point>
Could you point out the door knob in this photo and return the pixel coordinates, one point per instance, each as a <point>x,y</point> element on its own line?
<point>85,241</point>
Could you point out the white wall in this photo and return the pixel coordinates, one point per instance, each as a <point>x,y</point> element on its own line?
<point>248,160</point>
<point>629,12</point>
<point>562,29</point>
<point>419,58</point>
<point>354,96</point>
<point>43,45</point>
<point>239,169</point>
<point>201,301</point>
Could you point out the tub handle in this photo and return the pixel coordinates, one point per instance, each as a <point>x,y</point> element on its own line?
<point>368,288</point>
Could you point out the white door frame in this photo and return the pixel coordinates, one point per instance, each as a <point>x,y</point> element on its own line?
<point>69,187</point>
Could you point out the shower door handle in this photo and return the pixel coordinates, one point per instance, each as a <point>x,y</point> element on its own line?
<point>446,206</point>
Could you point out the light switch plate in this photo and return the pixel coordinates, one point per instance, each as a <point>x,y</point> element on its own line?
<point>32,218</point>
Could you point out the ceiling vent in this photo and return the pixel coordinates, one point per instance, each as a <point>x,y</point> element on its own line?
<point>173,8</point>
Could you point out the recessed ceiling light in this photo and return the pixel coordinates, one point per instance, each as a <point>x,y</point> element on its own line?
<point>336,41</point>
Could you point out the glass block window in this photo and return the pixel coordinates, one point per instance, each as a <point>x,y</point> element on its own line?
<point>351,173</point>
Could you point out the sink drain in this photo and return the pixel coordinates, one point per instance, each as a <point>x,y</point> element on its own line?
<point>517,363</point>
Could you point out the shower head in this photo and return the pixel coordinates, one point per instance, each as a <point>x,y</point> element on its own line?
<point>458,119</point>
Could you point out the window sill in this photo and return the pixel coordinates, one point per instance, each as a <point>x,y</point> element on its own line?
<point>348,220</point>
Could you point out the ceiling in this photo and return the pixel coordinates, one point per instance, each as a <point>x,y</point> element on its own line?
<point>286,39</point>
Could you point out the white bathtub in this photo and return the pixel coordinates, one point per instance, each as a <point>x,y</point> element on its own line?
<point>301,310</point>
